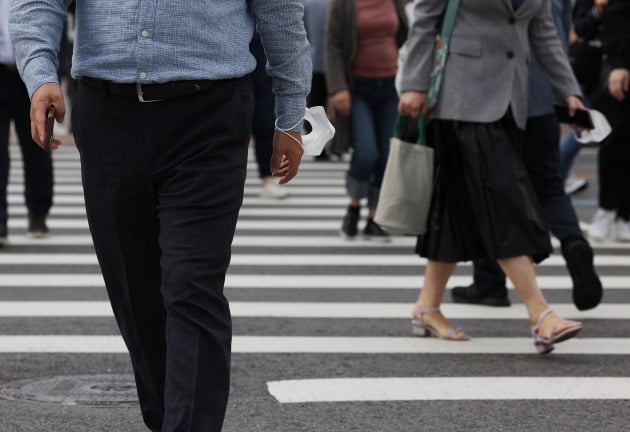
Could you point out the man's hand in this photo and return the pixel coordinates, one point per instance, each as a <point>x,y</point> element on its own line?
<point>342,101</point>
<point>286,156</point>
<point>413,103</point>
<point>619,83</point>
<point>46,95</point>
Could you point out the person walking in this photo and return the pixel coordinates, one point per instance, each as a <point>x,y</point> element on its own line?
<point>263,123</point>
<point>362,42</point>
<point>541,157</point>
<point>612,218</point>
<point>38,166</point>
<point>483,204</point>
<point>162,120</point>
<point>586,55</point>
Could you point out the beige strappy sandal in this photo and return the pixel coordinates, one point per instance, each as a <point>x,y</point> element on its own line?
<point>419,328</point>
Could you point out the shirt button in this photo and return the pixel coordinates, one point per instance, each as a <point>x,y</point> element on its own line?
<point>144,33</point>
<point>143,75</point>
<point>512,20</point>
<point>510,54</point>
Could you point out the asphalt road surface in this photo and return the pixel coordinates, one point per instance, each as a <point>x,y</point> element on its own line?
<point>322,336</point>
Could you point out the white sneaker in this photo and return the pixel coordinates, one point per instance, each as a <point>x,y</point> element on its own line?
<point>274,191</point>
<point>601,225</point>
<point>574,185</point>
<point>622,230</point>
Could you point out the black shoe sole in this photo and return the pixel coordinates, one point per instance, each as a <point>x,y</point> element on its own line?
<point>587,287</point>
<point>484,301</point>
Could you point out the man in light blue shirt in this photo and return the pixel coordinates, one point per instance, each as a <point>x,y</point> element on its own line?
<point>162,118</point>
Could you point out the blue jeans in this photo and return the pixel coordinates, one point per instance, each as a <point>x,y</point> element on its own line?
<point>570,146</point>
<point>372,120</point>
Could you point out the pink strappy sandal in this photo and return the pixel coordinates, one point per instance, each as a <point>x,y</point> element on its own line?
<point>545,345</point>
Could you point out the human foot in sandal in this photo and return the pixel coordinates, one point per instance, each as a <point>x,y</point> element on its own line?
<point>550,329</point>
<point>431,322</point>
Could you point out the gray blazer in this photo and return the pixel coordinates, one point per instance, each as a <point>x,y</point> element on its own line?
<point>487,67</point>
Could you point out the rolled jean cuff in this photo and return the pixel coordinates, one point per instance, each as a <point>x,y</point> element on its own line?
<point>356,189</point>
<point>373,197</point>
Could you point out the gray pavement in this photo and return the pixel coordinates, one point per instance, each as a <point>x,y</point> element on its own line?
<point>307,308</point>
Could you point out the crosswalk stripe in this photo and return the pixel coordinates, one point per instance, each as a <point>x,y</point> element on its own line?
<point>328,345</point>
<point>72,183</point>
<point>246,211</point>
<point>271,241</point>
<point>334,190</point>
<point>448,388</point>
<point>619,311</point>
<point>280,260</point>
<point>303,281</point>
<point>332,201</point>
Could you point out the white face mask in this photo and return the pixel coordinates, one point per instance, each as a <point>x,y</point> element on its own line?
<point>322,131</point>
<point>599,132</point>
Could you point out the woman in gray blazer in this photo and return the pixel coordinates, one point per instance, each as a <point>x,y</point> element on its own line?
<point>483,204</point>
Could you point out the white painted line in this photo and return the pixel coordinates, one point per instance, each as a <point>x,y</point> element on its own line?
<point>317,310</point>
<point>375,310</point>
<point>274,225</point>
<point>261,241</point>
<point>281,260</point>
<point>15,199</point>
<point>54,211</point>
<point>328,345</point>
<point>239,240</point>
<point>52,240</point>
<point>297,281</point>
<point>449,388</point>
<point>62,344</point>
<point>294,189</point>
<point>246,211</point>
<point>415,345</point>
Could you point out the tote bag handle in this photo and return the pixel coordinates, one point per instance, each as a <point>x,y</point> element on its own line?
<point>404,129</point>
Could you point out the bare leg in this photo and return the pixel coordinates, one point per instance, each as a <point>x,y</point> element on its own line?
<point>436,276</point>
<point>521,272</point>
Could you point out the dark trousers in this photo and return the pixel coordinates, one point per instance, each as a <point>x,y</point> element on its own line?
<point>38,169</point>
<point>542,161</point>
<point>163,184</point>
<point>263,125</point>
<point>319,91</point>
<point>614,159</point>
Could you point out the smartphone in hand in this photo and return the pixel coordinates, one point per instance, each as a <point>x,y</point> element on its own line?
<point>50,123</point>
<point>581,118</point>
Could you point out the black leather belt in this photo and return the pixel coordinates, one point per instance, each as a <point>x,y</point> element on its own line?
<point>151,92</point>
<point>8,67</point>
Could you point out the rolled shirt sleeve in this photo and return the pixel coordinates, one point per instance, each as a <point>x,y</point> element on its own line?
<point>281,27</point>
<point>36,28</point>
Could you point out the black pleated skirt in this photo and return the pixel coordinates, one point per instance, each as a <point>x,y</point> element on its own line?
<point>483,203</point>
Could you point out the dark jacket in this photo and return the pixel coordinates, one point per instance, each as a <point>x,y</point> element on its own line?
<point>615,33</point>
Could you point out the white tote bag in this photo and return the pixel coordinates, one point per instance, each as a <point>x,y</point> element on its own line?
<point>405,196</point>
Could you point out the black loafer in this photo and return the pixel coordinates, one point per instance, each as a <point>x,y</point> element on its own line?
<point>587,288</point>
<point>471,295</point>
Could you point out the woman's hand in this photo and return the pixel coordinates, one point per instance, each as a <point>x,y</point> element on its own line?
<point>574,103</point>
<point>619,83</point>
<point>342,102</point>
<point>413,103</point>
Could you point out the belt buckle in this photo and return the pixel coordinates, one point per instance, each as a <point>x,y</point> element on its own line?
<point>140,95</point>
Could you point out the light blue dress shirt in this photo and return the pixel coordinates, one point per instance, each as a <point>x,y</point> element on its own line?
<point>145,41</point>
